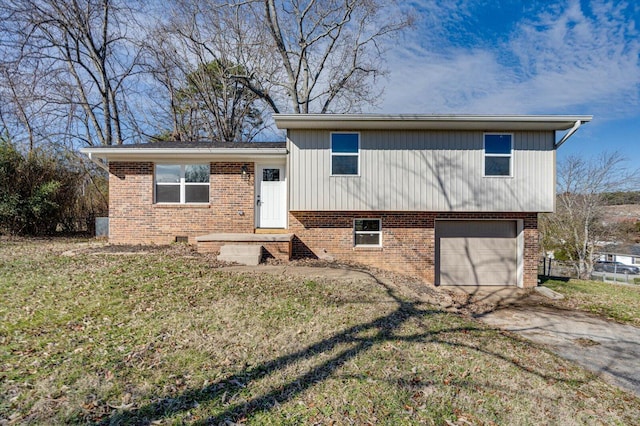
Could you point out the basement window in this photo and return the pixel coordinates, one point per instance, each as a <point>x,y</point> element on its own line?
<point>498,148</point>
<point>182,183</point>
<point>367,233</point>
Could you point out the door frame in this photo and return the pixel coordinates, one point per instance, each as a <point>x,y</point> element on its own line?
<point>256,191</point>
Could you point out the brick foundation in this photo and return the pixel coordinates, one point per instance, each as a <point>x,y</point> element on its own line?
<point>408,239</point>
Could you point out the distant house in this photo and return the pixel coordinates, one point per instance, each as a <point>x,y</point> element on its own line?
<point>449,198</point>
<point>629,255</point>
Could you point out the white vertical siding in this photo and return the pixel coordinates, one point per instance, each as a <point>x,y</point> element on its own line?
<point>421,171</point>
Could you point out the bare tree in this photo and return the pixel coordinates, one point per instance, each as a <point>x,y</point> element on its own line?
<point>163,63</point>
<point>24,106</point>
<point>16,108</point>
<point>82,48</point>
<point>205,99</point>
<point>331,50</point>
<point>217,105</point>
<point>577,225</point>
<point>303,57</point>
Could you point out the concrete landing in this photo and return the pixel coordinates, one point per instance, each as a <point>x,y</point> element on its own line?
<point>240,238</point>
<point>244,254</point>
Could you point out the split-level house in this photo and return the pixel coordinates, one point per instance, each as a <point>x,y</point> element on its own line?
<point>450,198</point>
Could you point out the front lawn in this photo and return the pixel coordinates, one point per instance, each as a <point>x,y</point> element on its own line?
<point>165,337</point>
<point>612,301</point>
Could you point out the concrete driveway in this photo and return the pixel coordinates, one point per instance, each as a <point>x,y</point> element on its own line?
<point>609,349</point>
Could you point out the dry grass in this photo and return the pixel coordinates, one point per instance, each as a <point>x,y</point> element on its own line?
<point>165,337</point>
<point>616,302</point>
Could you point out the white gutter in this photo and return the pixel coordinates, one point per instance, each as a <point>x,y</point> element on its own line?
<point>102,155</point>
<point>179,151</point>
<point>570,133</point>
<point>428,122</point>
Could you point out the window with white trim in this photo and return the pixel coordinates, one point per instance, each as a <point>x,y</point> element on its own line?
<point>182,183</point>
<point>345,154</point>
<point>367,233</point>
<point>498,149</point>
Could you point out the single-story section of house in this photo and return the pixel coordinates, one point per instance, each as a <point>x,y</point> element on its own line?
<point>453,199</point>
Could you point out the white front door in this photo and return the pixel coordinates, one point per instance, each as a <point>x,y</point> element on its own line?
<point>271,197</point>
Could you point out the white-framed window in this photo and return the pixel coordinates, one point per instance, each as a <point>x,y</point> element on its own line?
<point>182,183</point>
<point>345,154</point>
<point>367,233</point>
<point>498,154</point>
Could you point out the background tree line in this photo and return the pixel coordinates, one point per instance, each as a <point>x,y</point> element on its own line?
<point>618,198</point>
<point>106,72</point>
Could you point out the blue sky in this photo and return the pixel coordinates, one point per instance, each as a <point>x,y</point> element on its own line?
<point>525,57</point>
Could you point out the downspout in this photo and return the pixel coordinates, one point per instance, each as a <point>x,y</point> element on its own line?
<point>570,133</point>
<point>99,163</point>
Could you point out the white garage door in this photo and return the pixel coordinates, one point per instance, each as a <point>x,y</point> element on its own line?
<point>476,252</point>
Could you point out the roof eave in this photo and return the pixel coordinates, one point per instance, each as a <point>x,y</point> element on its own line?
<point>427,122</point>
<point>158,154</point>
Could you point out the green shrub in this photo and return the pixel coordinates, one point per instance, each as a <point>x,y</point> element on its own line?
<point>37,191</point>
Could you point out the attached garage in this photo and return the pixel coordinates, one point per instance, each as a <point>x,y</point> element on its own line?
<point>478,252</point>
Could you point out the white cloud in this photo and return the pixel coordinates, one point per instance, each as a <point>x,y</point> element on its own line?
<point>442,83</point>
<point>564,59</point>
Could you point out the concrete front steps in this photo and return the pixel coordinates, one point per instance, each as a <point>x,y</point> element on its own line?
<point>241,253</point>
<point>244,247</point>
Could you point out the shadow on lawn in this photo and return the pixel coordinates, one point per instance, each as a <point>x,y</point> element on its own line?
<point>384,328</point>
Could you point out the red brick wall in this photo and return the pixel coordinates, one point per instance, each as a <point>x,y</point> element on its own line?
<point>408,239</point>
<point>531,253</point>
<point>135,219</point>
